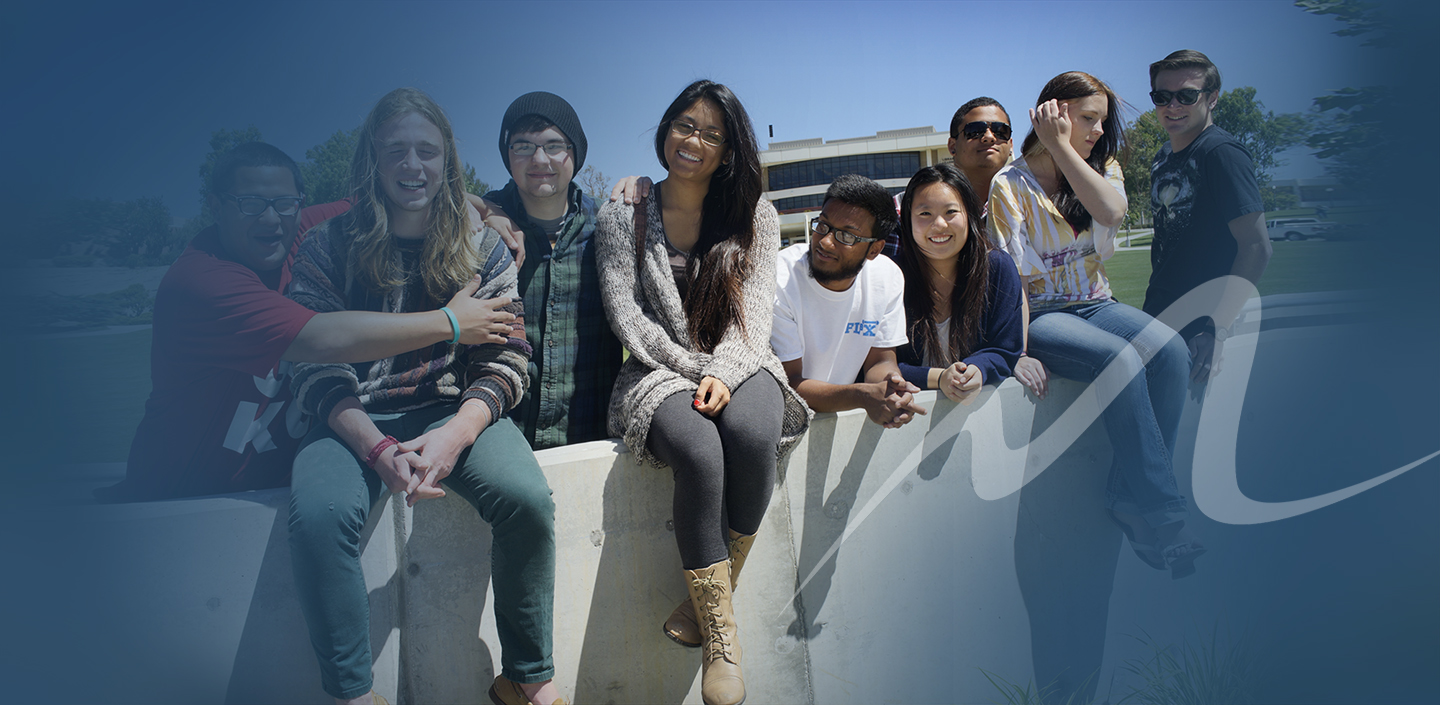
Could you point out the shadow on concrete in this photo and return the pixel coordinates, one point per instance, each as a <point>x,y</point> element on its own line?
<point>445,564</point>
<point>1066,552</point>
<point>638,582</point>
<point>263,671</point>
<point>825,520</point>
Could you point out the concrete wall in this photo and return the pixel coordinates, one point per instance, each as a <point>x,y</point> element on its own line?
<point>893,566</point>
<point>205,585</point>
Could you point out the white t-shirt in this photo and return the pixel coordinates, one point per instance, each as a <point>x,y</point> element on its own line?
<point>831,332</point>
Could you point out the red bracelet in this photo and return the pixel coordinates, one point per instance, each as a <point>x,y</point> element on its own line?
<point>379,448</point>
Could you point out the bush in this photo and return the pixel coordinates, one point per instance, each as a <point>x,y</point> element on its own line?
<point>74,261</point>
<point>133,305</point>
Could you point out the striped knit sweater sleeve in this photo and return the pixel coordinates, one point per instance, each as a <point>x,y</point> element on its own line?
<point>499,372</point>
<point>494,373</point>
<point>317,283</point>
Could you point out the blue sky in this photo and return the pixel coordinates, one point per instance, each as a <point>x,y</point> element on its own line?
<point>119,101</point>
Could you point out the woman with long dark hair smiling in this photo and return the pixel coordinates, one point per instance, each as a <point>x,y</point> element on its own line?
<point>688,278</point>
<point>962,298</point>
<point>1056,211</point>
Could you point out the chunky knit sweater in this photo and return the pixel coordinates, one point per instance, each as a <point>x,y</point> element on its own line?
<point>441,373</point>
<point>648,316</point>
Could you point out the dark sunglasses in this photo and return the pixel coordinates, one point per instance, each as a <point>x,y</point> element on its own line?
<point>1187,96</point>
<point>976,130</point>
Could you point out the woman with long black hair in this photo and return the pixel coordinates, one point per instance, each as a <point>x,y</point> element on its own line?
<point>962,298</point>
<point>688,278</point>
<point>1056,211</point>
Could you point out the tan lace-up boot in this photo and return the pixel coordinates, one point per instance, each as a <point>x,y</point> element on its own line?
<point>721,682</point>
<point>681,626</point>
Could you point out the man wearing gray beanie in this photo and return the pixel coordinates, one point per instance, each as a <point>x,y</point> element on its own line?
<point>576,355</point>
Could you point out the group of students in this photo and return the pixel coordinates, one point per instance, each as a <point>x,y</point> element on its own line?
<point>434,351</point>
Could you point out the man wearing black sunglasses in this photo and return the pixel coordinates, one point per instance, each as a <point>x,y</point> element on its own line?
<point>1209,218</point>
<point>980,142</point>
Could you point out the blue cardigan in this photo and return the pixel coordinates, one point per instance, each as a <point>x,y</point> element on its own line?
<point>1001,329</point>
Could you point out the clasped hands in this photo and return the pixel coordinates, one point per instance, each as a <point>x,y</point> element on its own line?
<point>893,401</point>
<point>417,466</point>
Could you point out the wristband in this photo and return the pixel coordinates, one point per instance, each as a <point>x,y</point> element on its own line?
<point>454,324</point>
<point>379,448</point>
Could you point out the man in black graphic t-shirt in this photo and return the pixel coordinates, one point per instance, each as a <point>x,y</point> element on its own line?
<point>1209,219</point>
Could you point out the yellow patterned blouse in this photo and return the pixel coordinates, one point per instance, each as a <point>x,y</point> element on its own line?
<point>1059,266</point>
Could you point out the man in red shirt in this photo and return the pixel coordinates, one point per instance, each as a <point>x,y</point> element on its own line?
<point>219,417</point>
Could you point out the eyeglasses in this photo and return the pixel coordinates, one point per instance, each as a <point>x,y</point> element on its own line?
<point>527,149</point>
<point>821,229</point>
<point>255,205</point>
<point>976,130</point>
<point>1187,96</point>
<point>685,128</point>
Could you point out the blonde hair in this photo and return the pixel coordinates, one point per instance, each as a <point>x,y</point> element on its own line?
<point>449,258</point>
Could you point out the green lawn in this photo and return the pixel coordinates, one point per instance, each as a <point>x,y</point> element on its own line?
<point>1311,265</point>
<point>86,394</point>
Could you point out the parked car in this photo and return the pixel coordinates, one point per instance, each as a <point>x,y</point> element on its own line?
<point>1297,228</point>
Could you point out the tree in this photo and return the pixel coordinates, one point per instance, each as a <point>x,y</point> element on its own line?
<point>1351,129</point>
<point>221,141</point>
<point>473,184</point>
<point>595,183</point>
<point>1143,139</point>
<point>327,167</point>
<point>1264,134</point>
<point>140,233</point>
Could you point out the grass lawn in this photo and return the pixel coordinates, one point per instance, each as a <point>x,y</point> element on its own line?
<point>1310,265</point>
<point>93,385</point>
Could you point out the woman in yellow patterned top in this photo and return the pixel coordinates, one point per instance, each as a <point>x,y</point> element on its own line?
<point>1056,211</point>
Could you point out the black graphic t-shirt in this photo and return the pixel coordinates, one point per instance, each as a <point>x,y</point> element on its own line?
<point>1194,194</point>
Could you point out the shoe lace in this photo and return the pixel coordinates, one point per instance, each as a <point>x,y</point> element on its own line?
<point>716,644</point>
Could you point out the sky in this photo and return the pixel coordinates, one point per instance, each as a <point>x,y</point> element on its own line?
<point>119,101</point>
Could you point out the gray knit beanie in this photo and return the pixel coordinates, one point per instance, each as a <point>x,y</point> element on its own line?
<point>551,107</point>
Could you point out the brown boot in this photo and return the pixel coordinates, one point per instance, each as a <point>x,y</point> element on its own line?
<point>681,626</point>
<point>721,682</point>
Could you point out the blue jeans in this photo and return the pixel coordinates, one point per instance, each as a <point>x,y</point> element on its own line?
<point>331,494</point>
<point>1079,343</point>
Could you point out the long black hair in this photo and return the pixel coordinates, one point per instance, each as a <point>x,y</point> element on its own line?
<point>972,277</point>
<point>718,263</point>
<point>1070,86</point>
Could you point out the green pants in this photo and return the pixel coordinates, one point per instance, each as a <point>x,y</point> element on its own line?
<point>331,495</point>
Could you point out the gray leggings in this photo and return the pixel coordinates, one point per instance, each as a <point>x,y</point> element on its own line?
<point>724,467</point>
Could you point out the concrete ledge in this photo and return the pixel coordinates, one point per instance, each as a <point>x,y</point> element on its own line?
<point>206,583</point>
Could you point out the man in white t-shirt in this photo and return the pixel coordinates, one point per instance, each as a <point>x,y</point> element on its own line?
<point>840,312</point>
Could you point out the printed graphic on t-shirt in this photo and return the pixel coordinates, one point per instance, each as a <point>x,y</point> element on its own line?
<point>251,422</point>
<point>862,328</point>
<point>1172,193</point>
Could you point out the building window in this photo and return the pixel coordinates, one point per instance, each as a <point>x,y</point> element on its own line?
<point>798,204</point>
<point>896,165</point>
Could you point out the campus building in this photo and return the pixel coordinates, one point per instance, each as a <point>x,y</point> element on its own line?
<point>797,172</point>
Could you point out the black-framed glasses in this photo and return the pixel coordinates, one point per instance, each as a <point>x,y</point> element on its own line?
<point>527,149</point>
<point>684,128</point>
<point>844,237</point>
<point>976,130</point>
<point>1186,96</point>
<point>255,205</point>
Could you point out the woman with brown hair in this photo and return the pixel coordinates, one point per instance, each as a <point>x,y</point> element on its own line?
<point>688,278</point>
<point>1056,211</point>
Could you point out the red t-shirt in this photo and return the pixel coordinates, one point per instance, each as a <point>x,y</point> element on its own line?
<point>219,417</point>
